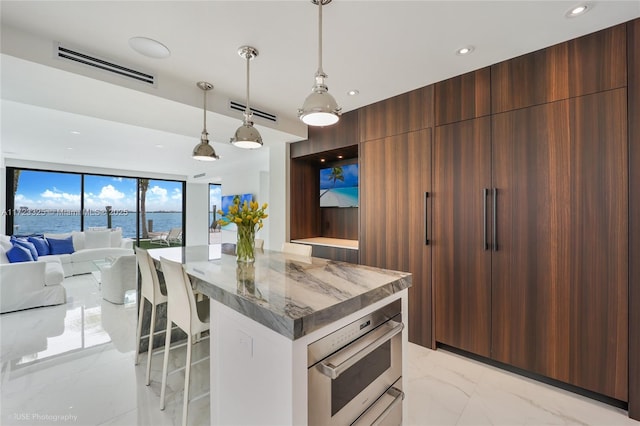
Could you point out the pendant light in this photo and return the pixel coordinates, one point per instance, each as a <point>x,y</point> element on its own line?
<point>247,136</point>
<point>204,151</point>
<point>320,108</point>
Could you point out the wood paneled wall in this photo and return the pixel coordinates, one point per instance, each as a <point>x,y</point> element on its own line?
<point>401,114</point>
<point>450,104</point>
<point>305,202</point>
<point>339,222</point>
<point>633,37</point>
<point>582,66</point>
<point>321,139</point>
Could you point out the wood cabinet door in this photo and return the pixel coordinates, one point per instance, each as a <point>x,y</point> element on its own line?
<point>395,175</point>
<point>461,259</point>
<point>559,276</point>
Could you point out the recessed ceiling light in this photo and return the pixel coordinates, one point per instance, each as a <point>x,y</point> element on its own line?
<point>75,132</point>
<point>340,157</point>
<point>464,50</point>
<point>353,92</point>
<point>577,10</point>
<point>149,47</point>
<point>322,160</point>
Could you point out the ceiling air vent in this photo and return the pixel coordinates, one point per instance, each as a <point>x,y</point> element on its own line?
<point>83,58</point>
<point>237,106</point>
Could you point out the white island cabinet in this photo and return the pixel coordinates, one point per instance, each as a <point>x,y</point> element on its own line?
<point>265,315</point>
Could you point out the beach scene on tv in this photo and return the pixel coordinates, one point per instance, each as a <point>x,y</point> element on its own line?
<point>339,186</point>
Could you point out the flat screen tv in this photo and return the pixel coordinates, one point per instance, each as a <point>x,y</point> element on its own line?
<point>339,186</point>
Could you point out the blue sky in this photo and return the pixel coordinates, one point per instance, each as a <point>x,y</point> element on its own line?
<point>350,173</point>
<point>49,190</point>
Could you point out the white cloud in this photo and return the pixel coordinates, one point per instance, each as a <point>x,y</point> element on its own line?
<point>160,192</point>
<point>110,193</point>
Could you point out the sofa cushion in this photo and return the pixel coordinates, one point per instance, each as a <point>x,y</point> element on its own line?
<point>19,253</point>
<point>5,242</point>
<point>62,246</point>
<point>26,244</point>
<point>3,255</point>
<point>97,239</point>
<point>53,273</point>
<point>78,240</point>
<point>116,237</point>
<point>42,246</point>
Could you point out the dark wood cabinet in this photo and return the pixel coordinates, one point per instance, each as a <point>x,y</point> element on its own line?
<point>395,177</point>
<point>585,65</point>
<point>554,138</point>
<point>464,97</point>
<point>404,113</point>
<point>461,256</point>
<point>559,275</point>
<point>633,37</point>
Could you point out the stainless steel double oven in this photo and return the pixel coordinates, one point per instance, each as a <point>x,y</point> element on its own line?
<point>355,373</point>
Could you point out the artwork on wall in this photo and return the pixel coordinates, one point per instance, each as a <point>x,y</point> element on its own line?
<point>339,186</point>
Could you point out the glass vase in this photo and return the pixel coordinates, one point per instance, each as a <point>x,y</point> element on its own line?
<point>245,247</point>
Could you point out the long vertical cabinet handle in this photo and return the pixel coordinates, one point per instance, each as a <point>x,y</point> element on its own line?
<point>484,217</point>
<point>495,219</point>
<point>426,219</point>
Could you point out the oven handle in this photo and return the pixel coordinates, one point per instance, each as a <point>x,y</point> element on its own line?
<point>398,397</point>
<point>333,371</point>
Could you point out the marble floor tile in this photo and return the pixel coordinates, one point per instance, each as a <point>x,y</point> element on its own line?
<point>73,364</point>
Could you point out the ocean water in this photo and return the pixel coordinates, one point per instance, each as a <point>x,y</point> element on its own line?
<point>38,222</point>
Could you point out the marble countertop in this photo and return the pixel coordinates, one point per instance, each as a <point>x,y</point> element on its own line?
<point>290,294</point>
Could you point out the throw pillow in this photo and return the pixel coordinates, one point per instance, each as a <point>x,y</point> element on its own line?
<point>42,246</point>
<point>62,246</point>
<point>26,244</point>
<point>116,237</point>
<point>19,254</point>
<point>97,239</point>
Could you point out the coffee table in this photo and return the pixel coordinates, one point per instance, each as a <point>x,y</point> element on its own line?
<point>101,264</point>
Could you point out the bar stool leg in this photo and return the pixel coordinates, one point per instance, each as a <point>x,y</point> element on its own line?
<point>165,365</point>
<point>187,376</point>
<point>152,329</point>
<point>139,331</point>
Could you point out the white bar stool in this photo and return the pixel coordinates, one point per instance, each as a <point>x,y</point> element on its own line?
<point>183,311</point>
<point>150,290</point>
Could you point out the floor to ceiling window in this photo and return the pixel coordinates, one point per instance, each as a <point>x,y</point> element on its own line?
<point>110,201</point>
<point>41,202</point>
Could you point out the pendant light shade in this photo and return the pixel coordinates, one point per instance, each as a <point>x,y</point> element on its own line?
<point>247,136</point>
<point>320,108</point>
<point>204,151</point>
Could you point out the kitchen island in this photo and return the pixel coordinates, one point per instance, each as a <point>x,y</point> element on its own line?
<point>265,315</point>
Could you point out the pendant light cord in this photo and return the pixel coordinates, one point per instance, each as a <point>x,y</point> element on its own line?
<point>247,110</point>
<point>204,111</point>
<point>320,71</point>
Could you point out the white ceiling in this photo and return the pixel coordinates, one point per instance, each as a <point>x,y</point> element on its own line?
<point>381,48</point>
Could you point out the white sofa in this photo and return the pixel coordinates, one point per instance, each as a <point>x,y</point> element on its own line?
<point>27,285</point>
<point>38,283</point>
<point>90,246</point>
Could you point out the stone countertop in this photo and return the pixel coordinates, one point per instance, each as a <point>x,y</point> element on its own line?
<point>290,294</point>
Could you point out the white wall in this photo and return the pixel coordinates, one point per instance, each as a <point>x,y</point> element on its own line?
<point>278,231</point>
<point>197,221</point>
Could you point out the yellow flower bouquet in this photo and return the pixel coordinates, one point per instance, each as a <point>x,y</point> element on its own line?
<point>247,218</point>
